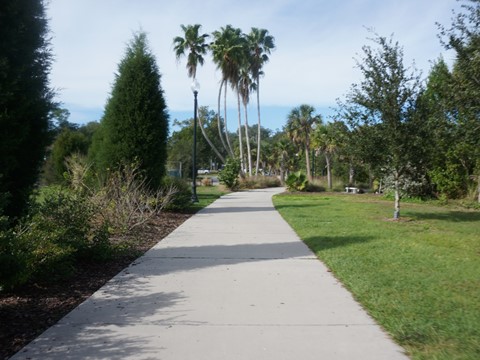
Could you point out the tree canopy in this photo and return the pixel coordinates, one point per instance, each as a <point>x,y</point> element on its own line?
<point>25,101</point>
<point>134,127</point>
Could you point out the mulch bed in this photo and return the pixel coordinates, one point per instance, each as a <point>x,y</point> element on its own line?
<point>30,310</point>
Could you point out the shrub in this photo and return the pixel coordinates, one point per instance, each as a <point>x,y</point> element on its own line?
<point>181,192</point>
<point>12,260</point>
<point>46,245</point>
<point>206,181</point>
<point>315,186</point>
<point>297,182</point>
<point>125,201</point>
<point>229,175</point>
<point>260,182</point>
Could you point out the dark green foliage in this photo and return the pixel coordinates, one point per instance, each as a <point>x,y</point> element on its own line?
<point>229,175</point>
<point>135,124</point>
<point>26,99</point>
<point>182,193</point>
<point>460,105</point>
<point>67,143</point>
<point>45,247</point>
<point>297,182</point>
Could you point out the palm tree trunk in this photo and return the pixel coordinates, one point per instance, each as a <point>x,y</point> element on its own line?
<point>219,121</point>
<point>240,134</point>
<point>329,171</point>
<point>247,138</point>
<point>225,119</point>
<point>259,135</point>
<point>220,156</point>
<point>307,160</point>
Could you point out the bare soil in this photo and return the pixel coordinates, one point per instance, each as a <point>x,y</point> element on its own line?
<point>28,311</point>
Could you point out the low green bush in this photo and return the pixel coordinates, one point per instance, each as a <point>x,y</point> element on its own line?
<point>315,187</point>
<point>59,231</point>
<point>181,193</point>
<point>297,182</point>
<point>229,175</point>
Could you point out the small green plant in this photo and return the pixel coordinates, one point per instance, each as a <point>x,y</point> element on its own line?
<point>181,193</point>
<point>297,182</point>
<point>229,175</point>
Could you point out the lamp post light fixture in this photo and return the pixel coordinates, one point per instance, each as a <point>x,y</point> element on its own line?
<point>195,87</point>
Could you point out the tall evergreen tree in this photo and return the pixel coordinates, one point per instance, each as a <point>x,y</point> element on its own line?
<point>25,101</point>
<point>135,124</point>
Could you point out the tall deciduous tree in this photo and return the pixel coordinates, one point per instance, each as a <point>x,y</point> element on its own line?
<point>300,123</point>
<point>25,101</point>
<point>135,124</point>
<point>260,45</point>
<point>385,101</point>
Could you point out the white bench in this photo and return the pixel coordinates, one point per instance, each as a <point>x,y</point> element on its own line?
<point>353,190</point>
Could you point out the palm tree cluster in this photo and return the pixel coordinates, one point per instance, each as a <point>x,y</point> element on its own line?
<point>240,57</point>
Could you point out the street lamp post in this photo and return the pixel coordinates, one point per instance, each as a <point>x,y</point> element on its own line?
<point>195,88</point>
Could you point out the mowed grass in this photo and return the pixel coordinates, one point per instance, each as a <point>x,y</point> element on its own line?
<point>419,277</point>
<point>207,195</point>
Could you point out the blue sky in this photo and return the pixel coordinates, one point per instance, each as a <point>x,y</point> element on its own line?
<point>316,40</point>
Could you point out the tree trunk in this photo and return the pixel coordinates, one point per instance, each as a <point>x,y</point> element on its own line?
<point>329,171</point>
<point>242,165</point>
<point>220,156</point>
<point>247,138</point>
<point>478,188</point>
<point>219,121</point>
<point>259,127</point>
<point>307,160</point>
<point>225,120</point>
<point>396,214</point>
<point>351,174</point>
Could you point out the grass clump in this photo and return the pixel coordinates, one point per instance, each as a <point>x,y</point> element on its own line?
<point>417,277</point>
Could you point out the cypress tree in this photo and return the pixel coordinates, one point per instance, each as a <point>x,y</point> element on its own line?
<point>135,123</point>
<point>25,101</point>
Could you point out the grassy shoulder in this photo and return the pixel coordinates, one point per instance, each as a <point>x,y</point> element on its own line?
<point>419,277</point>
<point>206,195</point>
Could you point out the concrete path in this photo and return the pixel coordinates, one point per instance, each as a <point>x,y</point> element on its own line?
<point>233,282</point>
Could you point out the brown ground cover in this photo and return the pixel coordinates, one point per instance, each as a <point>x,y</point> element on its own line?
<point>30,310</point>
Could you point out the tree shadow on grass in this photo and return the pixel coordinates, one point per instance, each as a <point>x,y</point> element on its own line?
<point>452,216</point>
<point>319,243</point>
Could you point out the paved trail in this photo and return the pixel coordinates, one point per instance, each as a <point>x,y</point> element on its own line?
<point>233,282</point>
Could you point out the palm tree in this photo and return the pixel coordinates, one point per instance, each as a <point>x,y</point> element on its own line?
<point>245,85</point>
<point>196,46</point>
<point>283,150</point>
<point>300,124</point>
<point>260,45</point>
<point>227,50</point>
<point>328,139</point>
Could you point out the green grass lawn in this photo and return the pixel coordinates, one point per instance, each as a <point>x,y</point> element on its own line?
<point>207,195</point>
<point>419,277</point>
